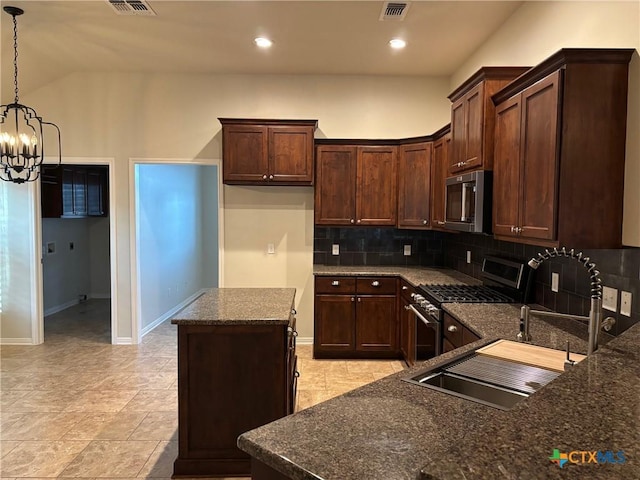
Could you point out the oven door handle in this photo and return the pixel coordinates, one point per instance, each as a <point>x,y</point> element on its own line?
<point>421,317</point>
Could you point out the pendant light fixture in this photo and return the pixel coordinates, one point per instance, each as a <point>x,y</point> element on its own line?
<point>21,129</point>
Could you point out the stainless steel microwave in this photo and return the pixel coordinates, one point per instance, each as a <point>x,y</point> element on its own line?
<point>468,202</point>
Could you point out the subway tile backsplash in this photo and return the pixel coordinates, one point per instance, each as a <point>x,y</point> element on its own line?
<point>619,269</point>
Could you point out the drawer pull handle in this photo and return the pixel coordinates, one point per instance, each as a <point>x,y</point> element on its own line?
<point>452,328</point>
<point>375,283</point>
<point>335,283</point>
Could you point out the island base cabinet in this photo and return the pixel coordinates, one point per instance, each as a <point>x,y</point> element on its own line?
<point>262,471</point>
<point>231,379</point>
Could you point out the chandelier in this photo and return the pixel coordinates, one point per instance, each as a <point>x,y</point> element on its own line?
<point>21,129</point>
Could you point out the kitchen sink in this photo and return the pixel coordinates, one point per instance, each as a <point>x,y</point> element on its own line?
<point>483,379</point>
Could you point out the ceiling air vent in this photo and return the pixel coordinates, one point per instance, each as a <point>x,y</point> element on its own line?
<point>394,11</point>
<point>132,7</point>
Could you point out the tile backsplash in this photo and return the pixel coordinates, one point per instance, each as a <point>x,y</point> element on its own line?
<point>619,268</point>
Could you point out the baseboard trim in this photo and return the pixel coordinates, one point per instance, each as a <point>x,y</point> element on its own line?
<point>59,308</point>
<point>172,312</point>
<point>16,341</point>
<point>304,340</point>
<point>123,341</point>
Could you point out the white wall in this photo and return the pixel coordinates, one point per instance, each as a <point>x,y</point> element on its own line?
<point>539,29</point>
<point>66,274</point>
<point>175,116</point>
<point>170,236</point>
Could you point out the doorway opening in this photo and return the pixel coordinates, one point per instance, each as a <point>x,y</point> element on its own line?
<point>176,238</point>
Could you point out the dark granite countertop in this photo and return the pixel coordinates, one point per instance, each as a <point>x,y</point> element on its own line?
<point>238,306</point>
<point>391,429</point>
<point>413,275</point>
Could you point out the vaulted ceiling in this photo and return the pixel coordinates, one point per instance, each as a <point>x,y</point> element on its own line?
<point>56,38</point>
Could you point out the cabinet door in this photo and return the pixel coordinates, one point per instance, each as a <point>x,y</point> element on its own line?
<point>51,191</point>
<point>334,323</point>
<point>539,157</point>
<point>474,125</point>
<point>245,154</point>
<point>458,151</point>
<point>376,323</point>
<point>80,191</point>
<point>438,179</point>
<point>506,173</point>
<point>335,193</point>
<point>376,186</point>
<point>97,192</point>
<point>291,155</point>
<point>414,185</point>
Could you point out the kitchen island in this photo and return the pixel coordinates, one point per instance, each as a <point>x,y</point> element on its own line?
<point>236,371</point>
<point>391,429</point>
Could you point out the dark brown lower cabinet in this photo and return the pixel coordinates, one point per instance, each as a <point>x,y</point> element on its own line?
<point>355,317</point>
<point>231,379</point>
<point>455,334</point>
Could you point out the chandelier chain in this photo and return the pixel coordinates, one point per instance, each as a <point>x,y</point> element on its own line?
<point>15,57</point>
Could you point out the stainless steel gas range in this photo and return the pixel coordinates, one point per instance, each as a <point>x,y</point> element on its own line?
<point>503,281</point>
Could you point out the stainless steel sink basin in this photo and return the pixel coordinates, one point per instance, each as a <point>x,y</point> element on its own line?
<point>491,381</point>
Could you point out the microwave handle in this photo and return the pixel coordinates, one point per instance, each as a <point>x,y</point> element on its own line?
<point>465,187</point>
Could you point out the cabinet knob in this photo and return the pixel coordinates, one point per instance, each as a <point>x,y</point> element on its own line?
<point>375,283</point>
<point>359,299</point>
<point>452,328</point>
<point>335,283</point>
<point>424,222</point>
<point>296,374</point>
<point>358,221</point>
<point>440,222</point>
<point>513,229</point>
<point>293,311</point>
<point>404,287</point>
<point>264,177</point>
<point>270,177</point>
<point>407,307</point>
<point>352,220</point>
<point>353,299</point>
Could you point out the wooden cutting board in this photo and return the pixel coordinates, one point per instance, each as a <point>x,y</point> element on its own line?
<point>529,354</point>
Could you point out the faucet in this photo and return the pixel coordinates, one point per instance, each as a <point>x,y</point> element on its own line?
<point>595,313</point>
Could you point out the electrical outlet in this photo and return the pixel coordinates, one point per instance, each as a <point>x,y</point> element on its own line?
<point>335,249</point>
<point>555,281</point>
<point>468,256</point>
<point>625,303</point>
<point>71,246</point>
<point>407,250</point>
<point>610,299</point>
<point>271,248</point>
<point>51,248</point>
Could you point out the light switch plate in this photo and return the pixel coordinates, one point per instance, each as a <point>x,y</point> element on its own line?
<point>610,299</point>
<point>625,303</point>
<point>468,256</point>
<point>407,250</point>
<point>555,281</point>
<point>271,248</point>
<point>335,249</point>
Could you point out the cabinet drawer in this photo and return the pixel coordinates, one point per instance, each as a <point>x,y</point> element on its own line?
<point>453,330</point>
<point>468,336</point>
<point>335,285</point>
<point>406,289</point>
<point>377,285</point>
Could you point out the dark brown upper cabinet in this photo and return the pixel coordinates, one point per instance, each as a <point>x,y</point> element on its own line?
<point>560,151</point>
<point>472,118</point>
<point>439,167</point>
<point>267,152</point>
<point>356,185</point>
<point>73,191</point>
<point>414,185</point>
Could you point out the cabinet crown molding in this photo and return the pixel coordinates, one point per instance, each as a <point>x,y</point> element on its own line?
<point>561,59</point>
<point>486,73</point>
<point>266,121</point>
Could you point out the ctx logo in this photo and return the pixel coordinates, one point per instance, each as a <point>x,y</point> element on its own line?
<point>585,456</point>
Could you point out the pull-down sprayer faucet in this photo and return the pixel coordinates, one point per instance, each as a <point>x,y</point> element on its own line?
<point>595,313</point>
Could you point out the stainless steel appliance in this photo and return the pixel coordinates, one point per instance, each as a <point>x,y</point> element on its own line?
<point>468,202</point>
<point>503,281</point>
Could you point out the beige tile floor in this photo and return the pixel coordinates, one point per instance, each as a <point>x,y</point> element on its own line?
<point>79,407</point>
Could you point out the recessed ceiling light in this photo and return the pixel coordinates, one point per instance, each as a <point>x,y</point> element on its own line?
<point>263,42</point>
<point>397,43</point>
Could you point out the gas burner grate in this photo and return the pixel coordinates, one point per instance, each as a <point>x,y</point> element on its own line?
<point>466,294</point>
